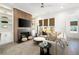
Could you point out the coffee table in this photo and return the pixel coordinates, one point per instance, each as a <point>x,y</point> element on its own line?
<point>37,40</point>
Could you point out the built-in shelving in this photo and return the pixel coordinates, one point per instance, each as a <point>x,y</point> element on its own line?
<point>6,29</point>
<point>5,10</point>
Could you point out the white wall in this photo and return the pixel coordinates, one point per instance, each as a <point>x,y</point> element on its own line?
<point>63,23</point>
<point>62,20</point>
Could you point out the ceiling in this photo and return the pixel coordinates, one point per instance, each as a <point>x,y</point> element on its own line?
<point>36,10</point>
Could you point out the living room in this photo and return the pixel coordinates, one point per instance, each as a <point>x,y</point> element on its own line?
<point>25,26</point>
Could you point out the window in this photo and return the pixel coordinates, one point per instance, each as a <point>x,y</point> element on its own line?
<point>73,28</point>
<point>51,22</point>
<point>40,23</point>
<point>45,22</point>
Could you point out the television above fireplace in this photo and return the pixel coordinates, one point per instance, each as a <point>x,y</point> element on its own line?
<point>24,22</point>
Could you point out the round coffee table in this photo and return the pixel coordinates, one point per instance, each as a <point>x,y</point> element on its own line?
<point>37,40</point>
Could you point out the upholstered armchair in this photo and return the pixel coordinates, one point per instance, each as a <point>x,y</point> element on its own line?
<point>52,36</point>
<point>62,37</point>
<point>57,40</point>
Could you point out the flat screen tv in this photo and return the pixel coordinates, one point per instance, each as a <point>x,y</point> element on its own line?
<point>24,22</point>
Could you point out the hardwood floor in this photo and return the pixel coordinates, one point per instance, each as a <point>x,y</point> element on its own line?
<point>25,48</point>
<point>73,48</point>
<point>28,48</point>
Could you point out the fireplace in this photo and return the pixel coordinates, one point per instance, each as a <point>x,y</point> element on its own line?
<point>23,33</point>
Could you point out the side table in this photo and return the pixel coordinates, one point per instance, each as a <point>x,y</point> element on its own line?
<point>43,48</point>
